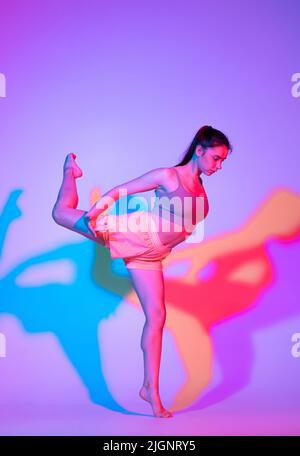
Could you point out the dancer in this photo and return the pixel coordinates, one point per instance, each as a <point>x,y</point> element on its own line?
<point>144,247</point>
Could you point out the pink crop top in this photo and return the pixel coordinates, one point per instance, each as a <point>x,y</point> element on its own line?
<point>186,208</point>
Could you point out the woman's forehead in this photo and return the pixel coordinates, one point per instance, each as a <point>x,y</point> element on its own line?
<point>221,151</point>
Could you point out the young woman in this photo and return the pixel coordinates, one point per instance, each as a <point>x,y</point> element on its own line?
<point>144,245</point>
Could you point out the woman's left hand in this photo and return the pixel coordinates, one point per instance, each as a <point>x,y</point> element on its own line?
<point>91,224</point>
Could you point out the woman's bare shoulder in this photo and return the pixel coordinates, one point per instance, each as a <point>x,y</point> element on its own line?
<point>169,180</point>
<point>170,171</point>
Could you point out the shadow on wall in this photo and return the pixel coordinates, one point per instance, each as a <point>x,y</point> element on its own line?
<point>222,278</point>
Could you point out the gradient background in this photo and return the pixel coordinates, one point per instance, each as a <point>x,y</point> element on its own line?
<point>126,85</point>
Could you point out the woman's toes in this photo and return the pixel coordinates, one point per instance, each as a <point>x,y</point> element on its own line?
<point>70,163</point>
<point>164,414</point>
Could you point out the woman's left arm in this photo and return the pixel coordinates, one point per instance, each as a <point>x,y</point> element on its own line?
<point>144,183</point>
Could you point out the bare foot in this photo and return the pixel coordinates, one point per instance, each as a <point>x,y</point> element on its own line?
<point>158,410</point>
<point>71,164</point>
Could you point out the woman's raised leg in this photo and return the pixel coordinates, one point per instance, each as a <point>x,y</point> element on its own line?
<point>65,210</point>
<point>149,286</point>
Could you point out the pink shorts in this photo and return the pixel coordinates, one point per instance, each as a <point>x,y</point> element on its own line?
<point>139,249</point>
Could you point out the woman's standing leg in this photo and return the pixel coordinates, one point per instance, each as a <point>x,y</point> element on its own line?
<point>65,210</point>
<point>149,286</point>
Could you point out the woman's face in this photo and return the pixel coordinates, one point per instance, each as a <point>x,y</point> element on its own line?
<point>210,160</point>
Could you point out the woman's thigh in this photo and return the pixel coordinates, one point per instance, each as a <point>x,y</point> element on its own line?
<point>149,286</point>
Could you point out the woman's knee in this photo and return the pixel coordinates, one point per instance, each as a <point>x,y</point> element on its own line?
<point>65,216</point>
<point>156,317</point>
<point>57,214</point>
<point>62,216</point>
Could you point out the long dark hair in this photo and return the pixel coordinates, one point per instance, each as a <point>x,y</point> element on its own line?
<point>206,136</point>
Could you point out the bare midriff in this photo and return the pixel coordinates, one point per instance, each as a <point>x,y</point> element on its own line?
<point>167,231</point>
<point>171,228</point>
